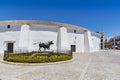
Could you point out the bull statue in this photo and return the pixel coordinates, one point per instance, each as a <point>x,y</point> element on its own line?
<point>45,45</point>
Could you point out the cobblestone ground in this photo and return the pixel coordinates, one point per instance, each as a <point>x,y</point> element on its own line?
<point>103,65</point>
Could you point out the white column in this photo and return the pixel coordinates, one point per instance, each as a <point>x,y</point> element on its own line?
<point>62,41</point>
<point>24,37</point>
<point>88,44</point>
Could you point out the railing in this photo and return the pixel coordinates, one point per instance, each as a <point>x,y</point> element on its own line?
<point>26,51</point>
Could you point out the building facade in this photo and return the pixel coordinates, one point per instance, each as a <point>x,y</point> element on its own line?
<point>22,35</point>
<point>113,42</point>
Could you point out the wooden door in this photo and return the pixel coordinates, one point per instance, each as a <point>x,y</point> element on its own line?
<point>73,48</point>
<point>10,48</point>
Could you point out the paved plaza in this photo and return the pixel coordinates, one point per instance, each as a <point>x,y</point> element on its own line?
<point>103,65</point>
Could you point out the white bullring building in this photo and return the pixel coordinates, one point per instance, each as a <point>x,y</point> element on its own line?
<point>19,35</point>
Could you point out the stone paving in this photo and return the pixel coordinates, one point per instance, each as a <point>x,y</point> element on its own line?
<point>103,65</point>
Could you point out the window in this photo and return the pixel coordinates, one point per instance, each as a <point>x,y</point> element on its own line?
<point>74,31</point>
<point>8,26</point>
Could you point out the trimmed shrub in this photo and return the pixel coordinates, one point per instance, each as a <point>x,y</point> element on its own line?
<point>37,57</point>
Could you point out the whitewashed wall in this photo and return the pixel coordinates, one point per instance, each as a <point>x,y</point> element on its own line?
<point>96,41</point>
<point>42,33</point>
<point>76,38</point>
<point>11,34</point>
<point>62,40</point>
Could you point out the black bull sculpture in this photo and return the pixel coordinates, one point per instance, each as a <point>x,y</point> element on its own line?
<point>45,45</point>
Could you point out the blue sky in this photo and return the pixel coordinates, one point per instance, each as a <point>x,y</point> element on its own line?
<point>95,15</point>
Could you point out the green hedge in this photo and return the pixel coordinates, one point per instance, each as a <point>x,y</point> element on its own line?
<point>37,57</point>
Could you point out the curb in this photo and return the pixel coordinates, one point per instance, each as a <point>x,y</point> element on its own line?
<point>6,78</point>
<point>36,64</point>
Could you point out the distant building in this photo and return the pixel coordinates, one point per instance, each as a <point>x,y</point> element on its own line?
<point>113,42</point>
<point>21,35</point>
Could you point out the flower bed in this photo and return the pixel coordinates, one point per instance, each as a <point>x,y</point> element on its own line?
<point>37,57</point>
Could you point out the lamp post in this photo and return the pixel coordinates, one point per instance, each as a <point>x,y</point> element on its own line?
<point>75,40</point>
<point>102,40</point>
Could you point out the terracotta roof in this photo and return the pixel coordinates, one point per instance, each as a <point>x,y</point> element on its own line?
<point>32,22</point>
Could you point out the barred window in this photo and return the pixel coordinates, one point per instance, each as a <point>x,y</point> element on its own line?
<point>8,26</point>
<point>74,31</point>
